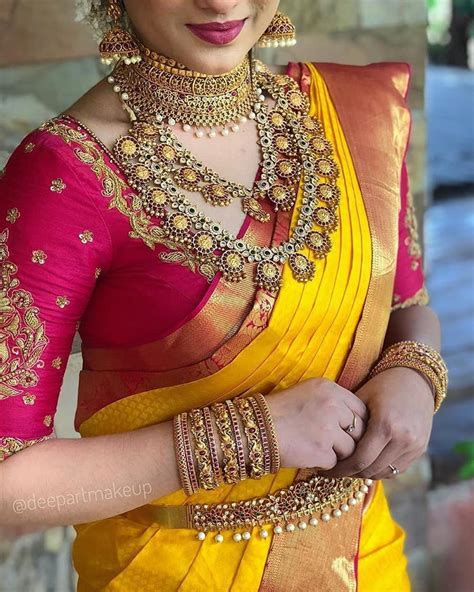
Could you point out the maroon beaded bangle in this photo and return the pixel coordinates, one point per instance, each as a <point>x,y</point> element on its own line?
<point>218,477</point>
<point>189,452</point>
<point>263,434</point>
<point>238,439</point>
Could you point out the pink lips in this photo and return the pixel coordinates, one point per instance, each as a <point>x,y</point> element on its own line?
<point>218,33</point>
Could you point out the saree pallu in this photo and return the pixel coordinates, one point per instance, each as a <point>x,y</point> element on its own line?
<point>330,327</point>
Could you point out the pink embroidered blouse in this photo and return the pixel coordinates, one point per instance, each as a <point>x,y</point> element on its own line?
<point>76,256</point>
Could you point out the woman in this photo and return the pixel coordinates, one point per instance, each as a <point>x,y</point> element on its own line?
<point>291,288</point>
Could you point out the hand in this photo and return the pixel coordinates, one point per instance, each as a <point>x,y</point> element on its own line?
<point>311,419</point>
<point>401,404</point>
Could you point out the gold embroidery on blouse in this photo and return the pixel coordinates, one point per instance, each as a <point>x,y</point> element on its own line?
<point>421,298</point>
<point>29,147</point>
<point>48,420</point>
<point>98,271</point>
<point>86,236</point>
<point>9,445</point>
<point>58,185</point>
<point>12,215</point>
<point>39,257</point>
<point>412,242</point>
<point>62,301</point>
<point>56,363</point>
<point>29,399</point>
<point>22,334</point>
<point>142,226</point>
<point>2,172</point>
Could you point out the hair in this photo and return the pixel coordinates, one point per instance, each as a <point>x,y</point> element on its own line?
<point>94,13</point>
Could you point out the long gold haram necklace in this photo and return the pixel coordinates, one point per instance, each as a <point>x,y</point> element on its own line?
<point>232,92</point>
<point>141,155</point>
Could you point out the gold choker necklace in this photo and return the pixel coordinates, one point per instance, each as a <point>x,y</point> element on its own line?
<point>208,103</point>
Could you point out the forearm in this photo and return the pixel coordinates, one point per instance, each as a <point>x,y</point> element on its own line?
<point>67,481</point>
<point>416,323</point>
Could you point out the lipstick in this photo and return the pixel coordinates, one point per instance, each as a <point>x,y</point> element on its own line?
<point>218,33</point>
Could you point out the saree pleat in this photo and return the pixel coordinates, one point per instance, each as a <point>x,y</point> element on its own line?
<point>310,333</point>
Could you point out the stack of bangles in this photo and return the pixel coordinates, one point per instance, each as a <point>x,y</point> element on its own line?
<point>420,357</point>
<point>304,503</point>
<point>206,472</point>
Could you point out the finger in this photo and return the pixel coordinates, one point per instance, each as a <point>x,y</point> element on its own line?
<point>390,453</point>
<point>357,406</point>
<point>344,446</point>
<point>402,464</point>
<point>355,427</point>
<point>368,450</point>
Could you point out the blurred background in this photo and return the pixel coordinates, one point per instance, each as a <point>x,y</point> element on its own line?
<point>47,61</point>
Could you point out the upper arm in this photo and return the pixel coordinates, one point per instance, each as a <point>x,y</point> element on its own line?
<point>52,242</point>
<point>409,288</point>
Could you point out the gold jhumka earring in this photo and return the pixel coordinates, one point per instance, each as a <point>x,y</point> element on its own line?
<point>281,32</point>
<point>117,43</point>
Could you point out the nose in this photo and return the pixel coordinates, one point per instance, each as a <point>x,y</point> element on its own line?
<point>218,6</point>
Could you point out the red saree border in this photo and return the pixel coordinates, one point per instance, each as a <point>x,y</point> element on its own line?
<point>382,205</point>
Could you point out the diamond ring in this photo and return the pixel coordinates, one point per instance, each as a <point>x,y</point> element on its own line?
<point>353,425</point>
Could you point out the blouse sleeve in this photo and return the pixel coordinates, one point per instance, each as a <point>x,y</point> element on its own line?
<point>53,246</point>
<point>409,288</point>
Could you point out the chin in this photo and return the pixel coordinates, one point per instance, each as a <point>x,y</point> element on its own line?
<point>214,59</point>
<point>215,62</point>
<point>217,65</point>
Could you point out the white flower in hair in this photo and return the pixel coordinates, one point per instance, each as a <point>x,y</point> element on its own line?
<point>94,13</point>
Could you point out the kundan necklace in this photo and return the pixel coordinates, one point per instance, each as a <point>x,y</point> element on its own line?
<point>294,153</point>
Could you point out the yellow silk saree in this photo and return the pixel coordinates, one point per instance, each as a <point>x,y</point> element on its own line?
<point>331,327</point>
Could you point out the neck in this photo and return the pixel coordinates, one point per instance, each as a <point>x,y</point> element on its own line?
<point>164,88</point>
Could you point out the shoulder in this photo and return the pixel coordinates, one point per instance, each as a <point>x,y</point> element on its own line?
<point>39,151</point>
<point>391,75</point>
<point>55,158</point>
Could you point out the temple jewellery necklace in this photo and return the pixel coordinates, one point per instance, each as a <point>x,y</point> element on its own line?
<point>293,148</point>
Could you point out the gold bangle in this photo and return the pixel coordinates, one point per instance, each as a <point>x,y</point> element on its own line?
<point>420,357</point>
<point>184,454</point>
<point>238,439</point>
<point>218,477</point>
<point>180,455</point>
<point>274,445</point>
<point>201,450</point>
<point>227,442</point>
<point>264,438</point>
<point>252,432</point>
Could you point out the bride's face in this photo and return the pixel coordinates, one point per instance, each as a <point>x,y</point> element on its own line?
<point>210,36</point>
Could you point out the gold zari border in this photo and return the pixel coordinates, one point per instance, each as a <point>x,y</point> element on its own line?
<point>420,298</point>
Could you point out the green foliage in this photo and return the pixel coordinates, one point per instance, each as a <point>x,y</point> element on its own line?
<point>466,448</point>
